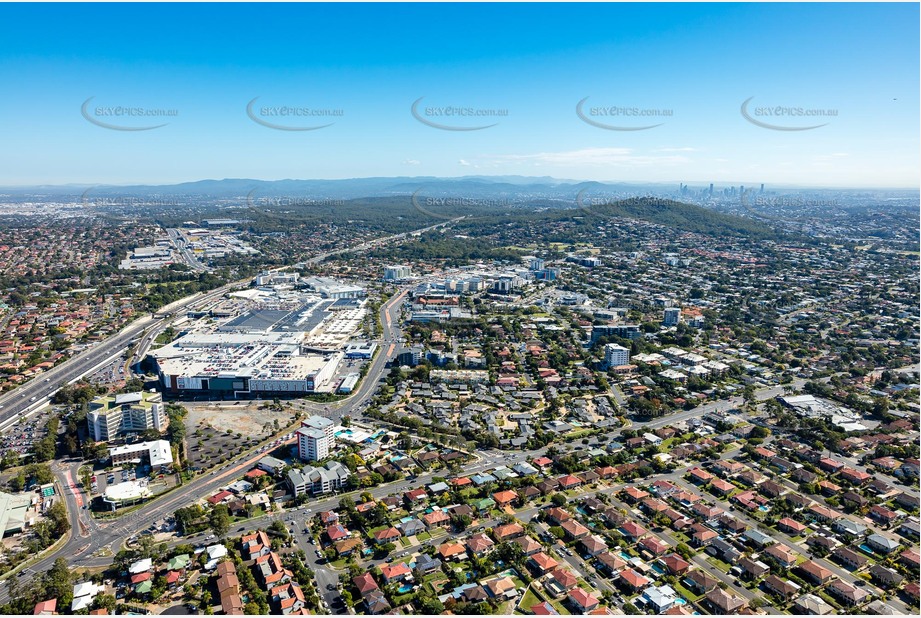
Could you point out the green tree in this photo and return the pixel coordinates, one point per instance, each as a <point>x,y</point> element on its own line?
<point>430,606</point>
<point>219,520</point>
<point>59,582</point>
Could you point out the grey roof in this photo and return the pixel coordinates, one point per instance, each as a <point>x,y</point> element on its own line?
<point>756,536</point>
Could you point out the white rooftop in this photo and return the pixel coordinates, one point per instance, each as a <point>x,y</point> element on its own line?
<point>129,490</point>
<point>141,566</point>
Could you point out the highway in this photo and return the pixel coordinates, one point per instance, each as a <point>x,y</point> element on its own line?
<point>182,247</point>
<point>36,393</point>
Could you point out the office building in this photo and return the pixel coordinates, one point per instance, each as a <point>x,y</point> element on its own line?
<point>156,453</point>
<point>410,357</point>
<point>116,416</point>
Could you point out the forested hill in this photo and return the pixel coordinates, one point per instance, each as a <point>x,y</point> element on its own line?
<point>687,217</point>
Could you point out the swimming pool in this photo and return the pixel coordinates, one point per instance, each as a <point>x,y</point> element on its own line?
<point>403,589</point>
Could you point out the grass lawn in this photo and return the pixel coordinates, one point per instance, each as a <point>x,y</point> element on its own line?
<point>529,600</point>
<point>667,444</point>
<point>437,533</point>
<point>558,605</point>
<point>436,579</point>
<point>722,566</point>
<point>423,536</point>
<point>338,564</point>
<point>259,512</point>
<point>828,599</point>
<point>404,541</point>
<point>687,594</point>
<point>400,599</point>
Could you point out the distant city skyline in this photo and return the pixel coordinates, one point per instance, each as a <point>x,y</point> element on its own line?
<point>721,93</point>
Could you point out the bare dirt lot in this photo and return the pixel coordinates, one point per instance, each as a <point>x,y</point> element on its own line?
<point>244,418</point>
<point>214,434</point>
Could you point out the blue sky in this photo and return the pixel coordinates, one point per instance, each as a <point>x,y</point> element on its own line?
<point>535,62</point>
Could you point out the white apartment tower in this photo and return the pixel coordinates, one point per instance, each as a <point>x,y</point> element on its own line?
<point>616,355</point>
<point>315,438</point>
<point>671,316</point>
<point>397,273</point>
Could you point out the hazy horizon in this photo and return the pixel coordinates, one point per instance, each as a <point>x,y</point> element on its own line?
<point>535,179</point>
